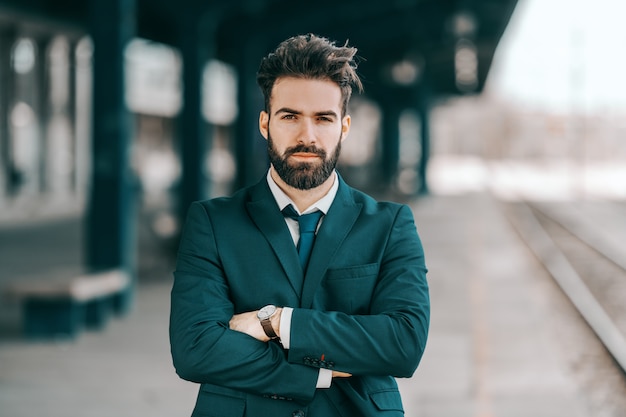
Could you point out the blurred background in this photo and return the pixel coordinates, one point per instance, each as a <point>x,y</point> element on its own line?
<point>500,122</point>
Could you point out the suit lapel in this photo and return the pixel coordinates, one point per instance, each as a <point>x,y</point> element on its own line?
<point>264,213</point>
<point>334,229</point>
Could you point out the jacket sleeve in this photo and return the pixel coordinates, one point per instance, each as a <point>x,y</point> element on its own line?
<point>391,339</point>
<point>204,349</point>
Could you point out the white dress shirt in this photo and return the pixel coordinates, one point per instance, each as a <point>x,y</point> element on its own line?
<point>324,379</point>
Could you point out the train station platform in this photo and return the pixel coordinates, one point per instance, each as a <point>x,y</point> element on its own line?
<point>504,341</point>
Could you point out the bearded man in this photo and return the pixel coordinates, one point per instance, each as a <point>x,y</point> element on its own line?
<point>300,296</point>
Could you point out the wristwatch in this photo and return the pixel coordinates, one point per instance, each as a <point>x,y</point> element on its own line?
<point>264,315</point>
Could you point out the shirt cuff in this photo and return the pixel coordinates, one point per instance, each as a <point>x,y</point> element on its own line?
<point>285,327</point>
<point>325,378</point>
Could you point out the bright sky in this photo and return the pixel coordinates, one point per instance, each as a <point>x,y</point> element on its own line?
<point>563,54</point>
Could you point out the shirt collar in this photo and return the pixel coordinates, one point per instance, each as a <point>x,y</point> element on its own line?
<point>323,204</point>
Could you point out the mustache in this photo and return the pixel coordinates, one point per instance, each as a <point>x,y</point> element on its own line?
<point>304,148</point>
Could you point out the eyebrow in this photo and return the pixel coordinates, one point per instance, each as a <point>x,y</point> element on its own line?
<point>292,111</point>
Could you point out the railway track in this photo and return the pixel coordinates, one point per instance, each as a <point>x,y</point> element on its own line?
<point>590,271</point>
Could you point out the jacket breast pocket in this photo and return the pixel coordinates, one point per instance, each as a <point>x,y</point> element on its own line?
<point>388,401</point>
<point>349,289</point>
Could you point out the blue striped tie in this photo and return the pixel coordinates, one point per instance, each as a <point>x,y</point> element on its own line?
<point>308,225</point>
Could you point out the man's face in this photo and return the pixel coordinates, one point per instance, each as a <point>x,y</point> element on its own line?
<point>306,130</point>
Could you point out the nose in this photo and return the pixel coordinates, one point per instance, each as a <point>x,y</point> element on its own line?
<point>307,135</point>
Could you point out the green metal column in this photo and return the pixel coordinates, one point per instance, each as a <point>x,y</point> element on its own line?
<point>7,39</point>
<point>195,137</point>
<point>250,147</point>
<point>42,108</point>
<point>423,109</point>
<point>71,111</point>
<point>111,214</point>
<point>390,141</point>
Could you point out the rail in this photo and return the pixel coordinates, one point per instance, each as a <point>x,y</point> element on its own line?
<point>529,220</point>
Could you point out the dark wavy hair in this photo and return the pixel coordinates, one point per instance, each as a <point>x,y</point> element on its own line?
<point>310,57</point>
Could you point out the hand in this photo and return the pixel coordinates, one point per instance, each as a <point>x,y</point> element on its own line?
<point>249,324</point>
<point>337,374</point>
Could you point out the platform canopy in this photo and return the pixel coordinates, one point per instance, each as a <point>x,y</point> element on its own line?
<point>452,42</point>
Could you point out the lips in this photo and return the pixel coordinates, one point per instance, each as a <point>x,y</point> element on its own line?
<point>305,152</point>
<point>305,155</point>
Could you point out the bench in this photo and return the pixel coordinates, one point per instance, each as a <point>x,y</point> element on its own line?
<point>63,307</point>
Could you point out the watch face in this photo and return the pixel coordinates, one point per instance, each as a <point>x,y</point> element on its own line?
<point>266,312</point>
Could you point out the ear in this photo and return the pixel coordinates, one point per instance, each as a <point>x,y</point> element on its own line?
<point>345,126</point>
<point>264,120</point>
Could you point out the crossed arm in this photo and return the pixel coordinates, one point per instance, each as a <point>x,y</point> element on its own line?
<point>249,324</point>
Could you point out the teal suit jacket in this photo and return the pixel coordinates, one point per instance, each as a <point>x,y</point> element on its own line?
<point>363,307</point>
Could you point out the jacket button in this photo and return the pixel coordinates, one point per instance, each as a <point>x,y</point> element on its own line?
<point>298,413</point>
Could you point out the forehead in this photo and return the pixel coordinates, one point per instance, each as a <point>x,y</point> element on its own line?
<point>305,94</point>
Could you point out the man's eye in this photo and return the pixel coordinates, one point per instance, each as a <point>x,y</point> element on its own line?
<point>289,116</point>
<point>324,119</point>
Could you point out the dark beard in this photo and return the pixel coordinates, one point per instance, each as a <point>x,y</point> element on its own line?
<point>302,175</point>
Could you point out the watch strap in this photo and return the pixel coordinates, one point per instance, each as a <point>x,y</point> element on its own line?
<point>268,329</point>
